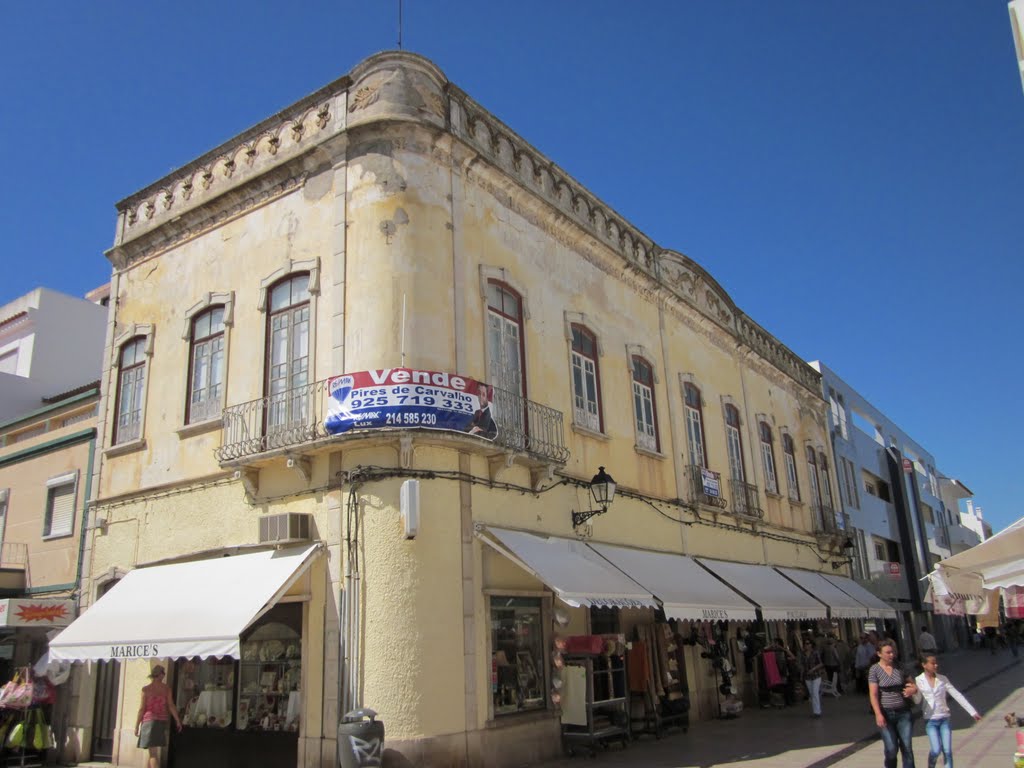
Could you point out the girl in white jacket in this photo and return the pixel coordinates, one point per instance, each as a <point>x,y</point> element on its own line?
<point>932,689</point>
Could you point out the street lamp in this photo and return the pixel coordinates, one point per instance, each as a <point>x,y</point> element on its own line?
<point>602,488</point>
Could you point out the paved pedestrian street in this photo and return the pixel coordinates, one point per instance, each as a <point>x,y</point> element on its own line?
<point>844,737</point>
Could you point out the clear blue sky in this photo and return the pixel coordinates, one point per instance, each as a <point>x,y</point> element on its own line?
<point>851,173</point>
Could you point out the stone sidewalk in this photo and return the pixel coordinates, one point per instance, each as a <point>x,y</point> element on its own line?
<point>845,736</point>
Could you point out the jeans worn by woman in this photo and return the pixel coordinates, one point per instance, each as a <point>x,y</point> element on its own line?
<point>940,741</point>
<point>896,737</point>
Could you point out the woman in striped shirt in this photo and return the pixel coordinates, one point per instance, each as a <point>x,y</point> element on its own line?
<point>891,690</point>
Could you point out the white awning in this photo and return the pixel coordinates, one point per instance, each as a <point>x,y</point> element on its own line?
<point>686,590</point>
<point>840,604</point>
<point>877,607</point>
<point>575,572</point>
<point>778,598</point>
<point>997,560</point>
<point>183,610</point>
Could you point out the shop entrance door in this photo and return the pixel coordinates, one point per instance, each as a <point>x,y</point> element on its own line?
<point>104,716</point>
<point>104,711</point>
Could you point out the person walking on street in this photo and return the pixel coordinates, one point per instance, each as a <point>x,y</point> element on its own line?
<point>151,724</point>
<point>813,668</point>
<point>926,642</point>
<point>890,691</point>
<point>862,662</point>
<point>932,689</point>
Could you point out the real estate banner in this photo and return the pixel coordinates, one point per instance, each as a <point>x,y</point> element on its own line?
<point>408,398</point>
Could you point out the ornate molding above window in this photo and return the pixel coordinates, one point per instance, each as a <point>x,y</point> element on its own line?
<point>570,319</point>
<point>501,275</point>
<point>146,330</point>
<point>730,400</point>
<point>310,265</point>
<point>227,300</point>
<point>639,350</point>
<point>689,378</point>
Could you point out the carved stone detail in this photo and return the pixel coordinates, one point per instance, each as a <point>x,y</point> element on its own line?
<point>364,97</point>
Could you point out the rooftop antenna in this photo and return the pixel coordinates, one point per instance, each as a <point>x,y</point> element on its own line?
<point>399,24</point>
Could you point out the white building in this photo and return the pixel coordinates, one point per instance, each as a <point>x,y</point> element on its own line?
<point>892,501</point>
<point>49,343</point>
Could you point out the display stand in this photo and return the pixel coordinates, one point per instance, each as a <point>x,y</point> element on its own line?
<point>595,702</point>
<point>22,757</point>
<point>657,677</point>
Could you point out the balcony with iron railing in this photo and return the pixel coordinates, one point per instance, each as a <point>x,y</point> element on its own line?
<point>745,499</point>
<point>823,517</point>
<point>705,487</point>
<point>292,422</point>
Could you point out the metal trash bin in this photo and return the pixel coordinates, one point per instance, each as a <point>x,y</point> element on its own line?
<point>360,740</point>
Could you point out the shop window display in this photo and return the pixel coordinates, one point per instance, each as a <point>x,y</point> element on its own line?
<point>517,660</point>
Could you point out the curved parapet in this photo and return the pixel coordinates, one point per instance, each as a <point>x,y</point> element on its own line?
<point>396,85</point>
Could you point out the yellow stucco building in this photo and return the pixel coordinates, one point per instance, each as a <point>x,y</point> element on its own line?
<point>385,226</point>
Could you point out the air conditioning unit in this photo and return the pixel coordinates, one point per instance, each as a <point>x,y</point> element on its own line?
<point>285,528</point>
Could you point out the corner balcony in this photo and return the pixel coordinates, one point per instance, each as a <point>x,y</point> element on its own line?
<point>290,425</point>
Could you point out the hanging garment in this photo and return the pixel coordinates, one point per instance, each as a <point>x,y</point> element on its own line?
<point>772,677</point>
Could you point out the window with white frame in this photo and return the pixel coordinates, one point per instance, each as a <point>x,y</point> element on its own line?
<point>206,366</point>
<point>505,338</point>
<point>131,390</point>
<point>644,412</point>
<point>771,483</point>
<point>812,472</point>
<point>734,443</point>
<point>61,493</point>
<point>826,484</point>
<point>586,386</point>
<point>287,365</point>
<point>792,479</point>
<point>694,425</point>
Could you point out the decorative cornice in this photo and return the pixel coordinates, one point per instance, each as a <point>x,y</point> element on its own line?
<point>272,143</point>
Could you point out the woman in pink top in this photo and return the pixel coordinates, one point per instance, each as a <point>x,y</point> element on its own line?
<point>151,724</point>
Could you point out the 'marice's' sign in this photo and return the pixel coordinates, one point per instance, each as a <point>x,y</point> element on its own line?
<point>135,651</point>
<point>405,397</point>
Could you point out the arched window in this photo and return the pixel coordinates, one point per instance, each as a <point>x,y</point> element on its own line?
<point>771,484</point>
<point>734,443</point>
<point>826,485</point>
<point>206,366</point>
<point>287,356</point>
<point>695,426</point>
<point>131,389</point>
<point>505,351</point>
<point>812,474</point>
<point>791,475</point>
<point>586,386</point>
<point>644,411</point>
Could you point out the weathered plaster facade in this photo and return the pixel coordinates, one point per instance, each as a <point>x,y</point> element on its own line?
<point>395,194</point>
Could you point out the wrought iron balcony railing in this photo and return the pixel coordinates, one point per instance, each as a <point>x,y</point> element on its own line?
<point>295,418</point>
<point>705,486</point>
<point>745,500</point>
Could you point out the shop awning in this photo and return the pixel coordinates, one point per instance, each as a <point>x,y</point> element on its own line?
<point>183,610</point>
<point>575,572</point>
<point>686,590</point>
<point>877,607</point>
<point>840,604</point>
<point>778,598</point>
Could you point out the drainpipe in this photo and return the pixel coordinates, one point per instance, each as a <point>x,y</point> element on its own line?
<point>86,497</point>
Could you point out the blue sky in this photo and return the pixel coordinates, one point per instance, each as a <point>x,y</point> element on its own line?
<point>852,174</point>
